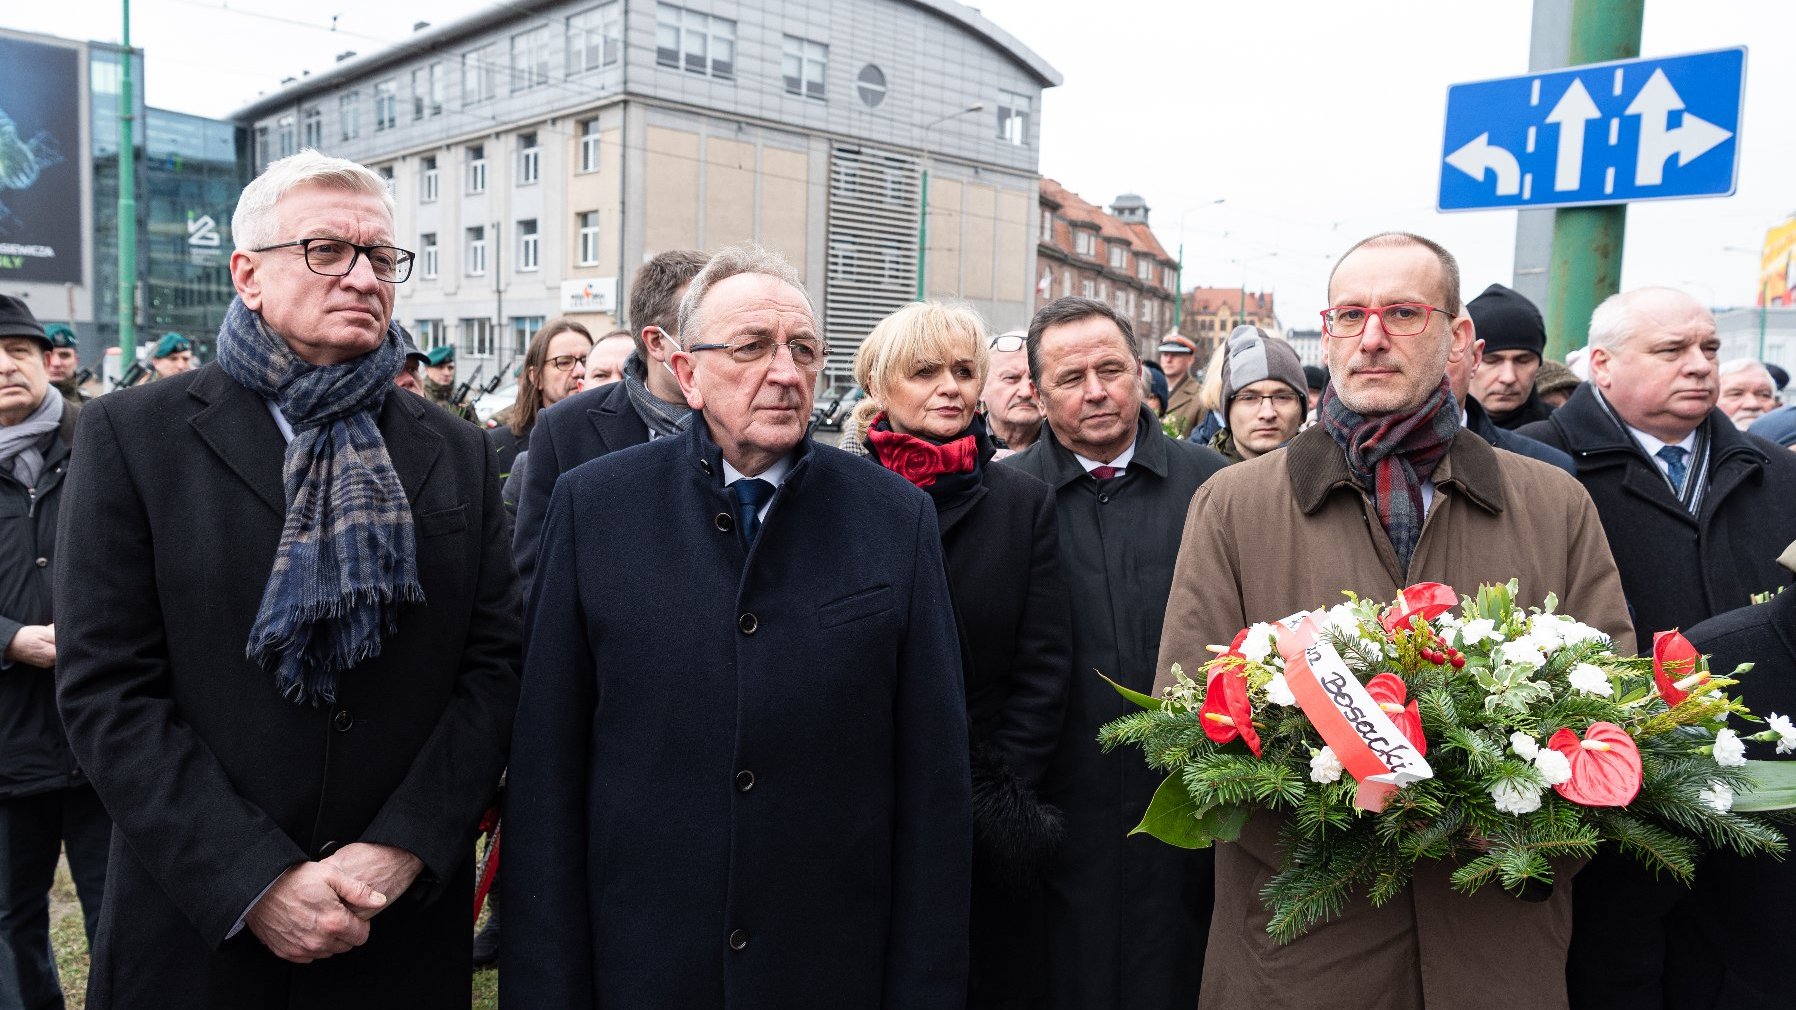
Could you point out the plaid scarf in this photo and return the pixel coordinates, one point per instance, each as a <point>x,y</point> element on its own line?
<point>1391,455</point>
<point>347,558</point>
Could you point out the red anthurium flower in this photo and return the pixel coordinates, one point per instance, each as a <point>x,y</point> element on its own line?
<point>1605,765</point>
<point>1674,666</point>
<point>1226,712</point>
<point>1427,600</point>
<point>1389,690</point>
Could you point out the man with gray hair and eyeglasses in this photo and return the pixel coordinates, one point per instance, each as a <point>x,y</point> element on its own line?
<point>749,786</point>
<point>287,637</point>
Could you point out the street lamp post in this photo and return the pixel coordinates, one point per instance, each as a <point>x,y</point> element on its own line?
<point>1178,290</point>
<point>923,215</point>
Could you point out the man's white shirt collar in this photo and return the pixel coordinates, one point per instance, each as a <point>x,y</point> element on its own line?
<point>775,475</point>
<point>1121,462</point>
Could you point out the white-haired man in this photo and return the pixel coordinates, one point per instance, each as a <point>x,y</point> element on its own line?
<point>1697,513</point>
<point>750,786</point>
<point>1747,391</point>
<point>294,746</point>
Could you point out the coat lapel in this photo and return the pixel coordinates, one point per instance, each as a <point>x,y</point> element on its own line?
<point>411,444</point>
<point>236,425</point>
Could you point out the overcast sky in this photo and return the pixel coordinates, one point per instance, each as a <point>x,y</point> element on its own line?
<point>1315,122</point>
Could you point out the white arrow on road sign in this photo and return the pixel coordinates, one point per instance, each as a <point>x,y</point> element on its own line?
<point>1654,105</point>
<point>1481,154</point>
<point>1573,110</point>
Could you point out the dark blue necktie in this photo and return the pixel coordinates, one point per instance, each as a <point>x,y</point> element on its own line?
<point>1674,465</point>
<point>751,494</point>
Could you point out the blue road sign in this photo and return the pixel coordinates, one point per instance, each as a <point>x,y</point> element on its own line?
<point>1601,133</point>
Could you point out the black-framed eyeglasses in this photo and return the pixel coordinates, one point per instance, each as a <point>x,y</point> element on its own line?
<point>806,351</point>
<point>1399,319</point>
<point>1253,400</point>
<point>563,362</point>
<point>335,257</point>
<point>1004,343</point>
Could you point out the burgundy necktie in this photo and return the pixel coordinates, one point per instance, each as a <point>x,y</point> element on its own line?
<point>1103,473</point>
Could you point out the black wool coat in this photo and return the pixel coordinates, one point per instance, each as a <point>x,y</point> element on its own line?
<point>1128,918</point>
<point>740,775</point>
<point>34,752</point>
<point>1677,568</point>
<point>216,784</point>
<point>581,427</point>
<point>1478,422</point>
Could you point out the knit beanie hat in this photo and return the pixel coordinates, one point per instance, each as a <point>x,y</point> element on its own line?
<point>1554,377</point>
<point>1506,321</point>
<point>1255,355</point>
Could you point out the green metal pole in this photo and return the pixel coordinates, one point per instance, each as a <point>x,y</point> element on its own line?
<point>923,232</point>
<point>1764,309</point>
<point>1587,241</point>
<point>127,208</point>
<point>1178,290</point>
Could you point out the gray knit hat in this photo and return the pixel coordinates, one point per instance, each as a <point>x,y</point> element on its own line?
<point>1255,355</point>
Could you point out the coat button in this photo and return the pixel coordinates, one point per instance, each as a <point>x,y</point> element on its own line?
<point>326,849</point>
<point>724,522</point>
<point>705,465</point>
<point>43,562</point>
<point>745,780</point>
<point>747,624</point>
<point>738,939</point>
<point>343,720</point>
<point>1103,499</point>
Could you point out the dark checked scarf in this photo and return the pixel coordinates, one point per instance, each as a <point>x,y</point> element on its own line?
<point>661,417</point>
<point>347,558</point>
<point>1392,456</point>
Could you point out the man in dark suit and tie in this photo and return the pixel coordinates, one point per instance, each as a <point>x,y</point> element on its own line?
<point>287,637</point>
<point>750,786</point>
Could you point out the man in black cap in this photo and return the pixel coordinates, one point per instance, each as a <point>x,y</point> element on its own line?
<point>64,363</point>
<point>1316,378</point>
<point>45,803</point>
<point>1514,338</point>
<point>411,373</point>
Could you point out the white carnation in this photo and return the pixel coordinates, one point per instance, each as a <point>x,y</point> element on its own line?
<point>1515,797</point>
<point>1524,651</point>
<point>1577,632</point>
<point>1325,767</point>
<point>1729,750</point>
<point>1553,766</point>
<point>1479,630</point>
<point>1342,616</point>
<point>1786,733</point>
<point>1258,643</point>
<point>1278,692</point>
<point>1718,795</point>
<point>1590,680</point>
<point>1524,746</point>
<point>1546,629</point>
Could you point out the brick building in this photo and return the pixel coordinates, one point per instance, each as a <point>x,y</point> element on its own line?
<point>1208,314</point>
<point>1111,255</point>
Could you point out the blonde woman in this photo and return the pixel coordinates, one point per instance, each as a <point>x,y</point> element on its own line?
<point>923,368</point>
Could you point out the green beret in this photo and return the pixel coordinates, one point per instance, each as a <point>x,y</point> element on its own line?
<point>60,335</point>
<point>441,355</point>
<point>171,343</point>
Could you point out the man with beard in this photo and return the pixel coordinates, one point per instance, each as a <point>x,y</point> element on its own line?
<point>1514,338</point>
<point>1387,489</point>
<point>1012,411</point>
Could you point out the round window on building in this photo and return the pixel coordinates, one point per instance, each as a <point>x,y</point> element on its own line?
<point>872,85</point>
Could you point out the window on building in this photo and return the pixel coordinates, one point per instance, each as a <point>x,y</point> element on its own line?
<point>427,179</point>
<point>477,251</point>
<point>477,337</point>
<point>1066,283</point>
<point>429,333</point>
<point>386,104</point>
<point>1083,242</point>
<point>476,168</point>
<point>527,245</point>
<point>261,150</point>
<point>429,259</point>
<point>1103,292</point>
<point>1013,117</point>
<point>697,43</point>
<point>1047,224</point>
<point>312,124</point>
<point>587,224</point>
<point>480,75</point>
<point>349,114</point>
<point>529,159</point>
<point>871,83</point>
<point>589,145</point>
<point>594,39</point>
<point>386,175</point>
<point>1145,269</point>
<point>427,90</point>
<point>530,58</point>
<point>522,329</point>
<point>1085,288</point>
<point>804,66</point>
<point>283,132</point>
<point>1119,256</point>
<point>1169,278</point>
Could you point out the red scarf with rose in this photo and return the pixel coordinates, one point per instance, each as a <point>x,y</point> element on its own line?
<point>946,469</point>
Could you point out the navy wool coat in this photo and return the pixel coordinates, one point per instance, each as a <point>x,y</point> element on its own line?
<point>740,777</point>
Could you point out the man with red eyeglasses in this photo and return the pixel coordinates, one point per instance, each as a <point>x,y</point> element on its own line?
<point>1387,489</point>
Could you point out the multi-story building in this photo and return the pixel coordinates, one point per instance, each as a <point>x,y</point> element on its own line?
<point>1307,344</point>
<point>1111,255</point>
<point>1208,314</point>
<point>540,150</point>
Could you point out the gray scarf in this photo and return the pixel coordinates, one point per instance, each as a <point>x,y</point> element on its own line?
<point>22,445</point>
<point>662,417</point>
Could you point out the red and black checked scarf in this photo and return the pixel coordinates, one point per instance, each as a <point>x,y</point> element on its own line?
<point>921,461</point>
<point>1391,455</point>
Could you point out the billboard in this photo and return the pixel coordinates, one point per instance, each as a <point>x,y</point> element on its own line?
<point>1777,266</point>
<point>40,163</point>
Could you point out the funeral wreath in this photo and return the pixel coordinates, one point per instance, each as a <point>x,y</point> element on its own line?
<point>1470,730</point>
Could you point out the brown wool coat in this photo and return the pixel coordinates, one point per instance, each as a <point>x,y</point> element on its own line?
<point>1289,531</point>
